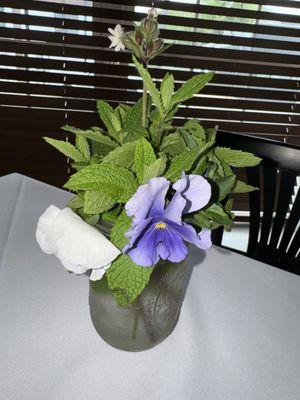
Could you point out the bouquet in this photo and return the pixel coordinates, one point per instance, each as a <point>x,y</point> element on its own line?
<point>144,187</point>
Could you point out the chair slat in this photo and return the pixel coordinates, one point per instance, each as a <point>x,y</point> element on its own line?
<point>269,192</point>
<point>291,224</point>
<point>286,190</point>
<point>254,207</point>
<point>294,246</point>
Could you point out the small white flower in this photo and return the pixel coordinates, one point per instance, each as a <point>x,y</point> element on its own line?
<point>78,245</point>
<point>116,38</point>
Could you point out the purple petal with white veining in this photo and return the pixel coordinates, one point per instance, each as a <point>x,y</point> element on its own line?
<point>175,208</point>
<point>148,200</point>
<point>135,231</point>
<point>195,190</point>
<point>189,234</point>
<point>174,245</point>
<point>144,252</point>
<point>158,243</point>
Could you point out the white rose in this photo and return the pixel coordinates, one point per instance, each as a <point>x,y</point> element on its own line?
<point>78,245</point>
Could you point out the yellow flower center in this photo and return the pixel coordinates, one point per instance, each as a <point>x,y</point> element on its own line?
<point>160,225</point>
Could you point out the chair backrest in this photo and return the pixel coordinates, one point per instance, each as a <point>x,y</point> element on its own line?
<point>274,237</point>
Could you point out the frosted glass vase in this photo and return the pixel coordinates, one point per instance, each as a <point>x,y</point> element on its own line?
<point>151,318</point>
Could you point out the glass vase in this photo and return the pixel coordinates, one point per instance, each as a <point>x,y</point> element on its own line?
<point>150,318</point>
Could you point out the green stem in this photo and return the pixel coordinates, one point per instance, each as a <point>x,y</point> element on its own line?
<point>145,105</point>
<point>145,101</point>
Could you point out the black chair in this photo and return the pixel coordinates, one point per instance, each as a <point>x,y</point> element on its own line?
<point>274,231</point>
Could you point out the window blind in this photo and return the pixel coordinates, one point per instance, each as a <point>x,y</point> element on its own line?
<point>55,61</point>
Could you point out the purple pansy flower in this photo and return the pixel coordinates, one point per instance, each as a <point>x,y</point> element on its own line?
<point>157,230</point>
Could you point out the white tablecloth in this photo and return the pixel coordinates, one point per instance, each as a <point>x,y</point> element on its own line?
<point>238,337</point>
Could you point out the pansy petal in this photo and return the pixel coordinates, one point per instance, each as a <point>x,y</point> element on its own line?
<point>189,234</point>
<point>149,200</point>
<point>163,251</point>
<point>175,208</point>
<point>195,189</point>
<point>165,243</point>
<point>205,239</point>
<point>145,251</point>
<point>134,233</point>
<point>173,244</point>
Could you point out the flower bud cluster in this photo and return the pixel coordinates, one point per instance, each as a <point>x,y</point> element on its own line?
<point>143,42</point>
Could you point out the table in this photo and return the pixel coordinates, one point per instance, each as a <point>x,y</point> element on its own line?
<point>238,337</point>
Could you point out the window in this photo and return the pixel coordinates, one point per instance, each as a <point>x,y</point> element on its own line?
<point>55,61</point>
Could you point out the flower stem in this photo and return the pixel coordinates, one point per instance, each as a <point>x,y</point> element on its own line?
<point>145,101</point>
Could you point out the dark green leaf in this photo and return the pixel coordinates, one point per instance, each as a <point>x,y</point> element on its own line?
<point>225,186</point>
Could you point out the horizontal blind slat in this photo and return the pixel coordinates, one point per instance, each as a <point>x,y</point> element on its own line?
<point>70,23</point>
<point>22,88</point>
<point>77,68</point>
<point>95,11</point>
<point>87,47</point>
<point>101,28</point>
<point>166,59</point>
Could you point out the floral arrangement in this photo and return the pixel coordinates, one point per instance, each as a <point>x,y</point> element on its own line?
<point>145,187</point>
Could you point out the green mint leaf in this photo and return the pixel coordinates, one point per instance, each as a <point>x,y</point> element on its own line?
<point>211,133</point>
<point>144,156</point>
<point>173,144</point>
<point>76,202</point>
<point>167,90</point>
<point>101,144</point>
<point>185,161</point>
<point>236,158</point>
<point>117,182</point>
<point>92,219</point>
<point>191,141</point>
<point>229,204</point>
<point>133,123</point>
<point>171,113</point>
<point>83,146</point>
<point>200,166</point>
<point>157,168</point>
<point>109,119</point>
<point>180,163</point>
<point>195,129</point>
<point>191,87</point>
<point>201,220</point>
<point>66,148</point>
<point>122,156</point>
<point>110,216</point>
<point>127,279</point>
<point>226,169</point>
<point>95,133</point>
<point>243,187</point>
<point>225,186</point>
<point>121,112</point>
<point>217,214</point>
<point>97,202</point>
<point>121,226</point>
<point>150,85</point>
